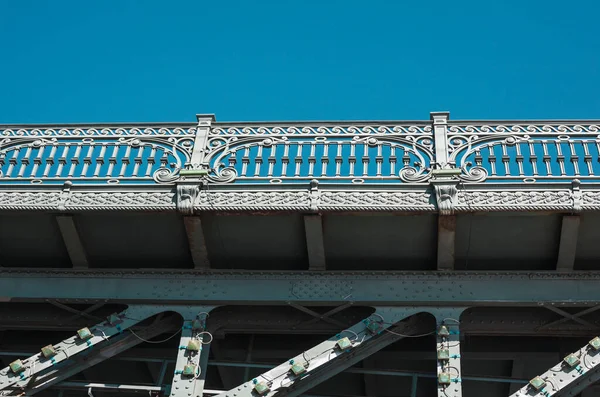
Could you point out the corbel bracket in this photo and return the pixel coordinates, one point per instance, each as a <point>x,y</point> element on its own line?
<point>314,195</point>
<point>186,196</point>
<point>445,183</point>
<point>576,194</point>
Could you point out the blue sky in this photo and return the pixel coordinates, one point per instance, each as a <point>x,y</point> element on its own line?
<point>98,61</point>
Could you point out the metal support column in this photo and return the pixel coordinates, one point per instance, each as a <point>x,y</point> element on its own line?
<point>334,355</point>
<point>192,357</point>
<point>448,353</point>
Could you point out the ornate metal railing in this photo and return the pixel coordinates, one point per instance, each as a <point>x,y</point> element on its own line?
<point>92,154</point>
<point>551,151</point>
<point>296,153</point>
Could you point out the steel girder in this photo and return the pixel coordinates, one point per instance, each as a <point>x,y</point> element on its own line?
<point>64,359</point>
<point>334,355</point>
<point>568,378</point>
<point>192,355</point>
<point>381,288</point>
<point>104,352</point>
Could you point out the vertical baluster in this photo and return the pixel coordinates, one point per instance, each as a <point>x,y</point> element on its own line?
<point>272,160</point>
<point>62,159</point>
<point>285,159</point>
<point>150,161</point>
<point>50,160</point>
<point>125,160</point>
<point>298,160</point>
<point>233,158</point>
<point>560,158</point>
<point>405,158</point>
<point>338,159</point>
<point>24,161</point>
<point>519,158</point>
<point>546,157</point>
<point>258,160</point>
<point>587,157</point>
<point>2,163</point>
<point>12,162</point>
<point>352,158</point>
<point>37,161</point>
<point>492,160</point>
<point>365,159</point>
<point>574,157</point>
<point>164,158</point>
<point>533,158</point>
<point>87,159</point>
<point>100,160</point>
<point>393,160</point>
<point>379,158</point>
<point>325,159</point>
<point>245,161</point>
<point>312,159</point>
<point>478,158</point>
<point>138,160</point>
<point>74,160</point>
<point>505,158</point>
<point>112,159</point>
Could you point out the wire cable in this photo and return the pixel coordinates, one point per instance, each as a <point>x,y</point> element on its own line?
<point>155,342</point>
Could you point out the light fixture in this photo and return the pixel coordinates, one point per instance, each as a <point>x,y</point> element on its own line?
<point>444,378</point>
<point>48,351</point>
<point>16,366</point>
<point>193,345</point>
<point>344,344</point>
<point>261,388</point>
<point>84,333</point>
<point>571,360</point>
<point>189,370</point>
<point>537,383</point>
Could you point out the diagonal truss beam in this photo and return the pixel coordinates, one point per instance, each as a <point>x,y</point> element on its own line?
<point>573,317</point>
<point>322,317</point>
<point>107,350</point>
<point>569,377</point>
<point>25,372</point>
<point>335,354</point>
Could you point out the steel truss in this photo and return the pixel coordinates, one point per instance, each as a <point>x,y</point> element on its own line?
<point>345,349</point>
<point>568,378</point>
<point>62,360</point>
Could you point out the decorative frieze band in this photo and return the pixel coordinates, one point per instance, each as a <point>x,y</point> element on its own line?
<point>194,199</point>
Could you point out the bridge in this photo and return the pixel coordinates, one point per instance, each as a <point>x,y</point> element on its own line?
<point>342,259</point>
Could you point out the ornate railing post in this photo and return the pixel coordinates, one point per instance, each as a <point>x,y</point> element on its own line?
<point>444,174</point>
<point>202,130</point>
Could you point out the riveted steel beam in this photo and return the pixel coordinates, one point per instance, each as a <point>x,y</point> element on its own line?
<point>568,378</point>
<point>196,242</point>
<point>334,355</point>
<point>446,239</point>
<point>192,356</point>
<point>448,352</point>
<point>72,240</point>
<point>315,247</point>
<point>385,288</point>
<point>568,243</point>
<point>22,373</point>
<point>105,351</point>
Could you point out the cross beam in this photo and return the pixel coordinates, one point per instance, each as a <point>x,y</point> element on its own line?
<point>332,356</point>
<point>569,377</point>
<point>377,288</point>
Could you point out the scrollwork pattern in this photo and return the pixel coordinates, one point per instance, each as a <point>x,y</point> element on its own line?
<point>308,130</point>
